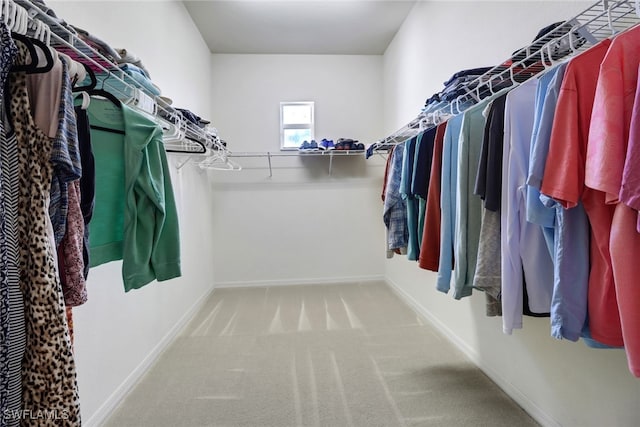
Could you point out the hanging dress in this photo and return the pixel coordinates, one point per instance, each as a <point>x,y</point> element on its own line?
<point>12,337</point>
<point>50,392</point>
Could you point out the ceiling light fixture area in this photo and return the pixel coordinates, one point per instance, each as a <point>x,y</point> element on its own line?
<point>348,27</point>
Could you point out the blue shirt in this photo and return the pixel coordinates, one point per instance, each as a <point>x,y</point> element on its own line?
<point>413,247</point>
<point>546,99</point>
<point>566,230</point>
<point>448,202</point>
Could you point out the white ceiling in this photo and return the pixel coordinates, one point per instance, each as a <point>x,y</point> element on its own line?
<point>351,27</point>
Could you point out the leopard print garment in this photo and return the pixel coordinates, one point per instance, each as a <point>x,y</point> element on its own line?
<point>50,392</point>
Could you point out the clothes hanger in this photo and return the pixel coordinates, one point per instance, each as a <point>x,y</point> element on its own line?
<point>219,161</point>
<point>86,100</point>
<point>105,94</point>
<point>611,27</point>
<point>186,146</point>
<point>8,12</point>
<point>93,82</point>
<point>76,69</point>
<point>36,67</point>
<point>108,96</point>
<point>20,22</point>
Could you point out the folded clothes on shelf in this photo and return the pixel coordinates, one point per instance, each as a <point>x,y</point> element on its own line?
<point>128,57</point>
<point>140,76</point>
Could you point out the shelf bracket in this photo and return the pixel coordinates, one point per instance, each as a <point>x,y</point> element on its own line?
<point>330,162</point>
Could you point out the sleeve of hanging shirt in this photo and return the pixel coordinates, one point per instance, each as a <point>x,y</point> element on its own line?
<point>448,202</point>
<point>152,243</point>
<point>630,191</point>
<point>512,283</point>
<point>611,115</point>
<point>469,219</point>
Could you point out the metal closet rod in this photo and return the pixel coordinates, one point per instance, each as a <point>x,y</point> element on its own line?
<point>600,21</point>
<point>292,153</point>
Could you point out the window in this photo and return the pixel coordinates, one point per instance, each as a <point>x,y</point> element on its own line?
<point>296,124</point>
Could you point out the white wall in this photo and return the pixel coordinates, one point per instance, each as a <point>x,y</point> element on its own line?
<point>117,335</point>
<point>302,224</point>
<point>560,383</point>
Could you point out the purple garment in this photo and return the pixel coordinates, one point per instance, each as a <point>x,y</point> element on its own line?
<point>630,190</point>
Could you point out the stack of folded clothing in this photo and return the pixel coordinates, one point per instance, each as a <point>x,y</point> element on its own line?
<point>141,77</point>
<point>127,57</point>
<point>135,69</point>
<point>349,144</point>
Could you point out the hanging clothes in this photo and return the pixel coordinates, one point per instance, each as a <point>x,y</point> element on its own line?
<point>488,186</point>
<point>629,190</point>
<point>65,157</point>
<point>70,257</point>
<point>420,179</point>
<point>12,328</point>
<point>525,256</point>
<point>546,97</point>
<point>563,180</point>
<point>395,208</point>
<point>430,246</point>
<point>48,368</point>
<point>566,230</point>
<point>469,207</point>
<point>448,202</point>
<point>413,247</point>
<point>67,170</point>
<point>87,181</point>
<point>605,161</point>
<point>135,217</point>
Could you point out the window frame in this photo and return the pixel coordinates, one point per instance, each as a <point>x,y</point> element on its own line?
<point>283,126</point>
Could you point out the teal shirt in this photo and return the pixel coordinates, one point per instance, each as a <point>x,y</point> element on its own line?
<point>135,217</point>
<point>469,206</point>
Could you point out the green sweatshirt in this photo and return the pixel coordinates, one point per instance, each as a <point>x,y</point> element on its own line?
<point>135,217</point>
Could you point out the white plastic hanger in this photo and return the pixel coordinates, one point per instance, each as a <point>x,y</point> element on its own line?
<point>22,20</point>
<point>219,161</point>
<point>86,99</point>
<point>8,10</point>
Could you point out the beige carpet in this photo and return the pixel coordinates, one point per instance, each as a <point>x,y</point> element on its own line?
<point>350,355</point>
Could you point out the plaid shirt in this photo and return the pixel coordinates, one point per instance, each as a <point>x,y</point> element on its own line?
<point>65,158</point>
<point>395,208</point>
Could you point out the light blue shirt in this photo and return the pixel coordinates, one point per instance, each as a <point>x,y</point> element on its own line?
<point>570,270</point>
<point>546,99</point>
<point>566,230</point>
<point>448,202</point>
<point>413,248</point>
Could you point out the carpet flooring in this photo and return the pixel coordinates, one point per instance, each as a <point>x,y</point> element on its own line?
<point>351,355</point>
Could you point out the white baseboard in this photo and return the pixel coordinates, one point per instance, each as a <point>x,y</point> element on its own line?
<point>104,411</point>
<point>289,282</point>
<point>527,404</point>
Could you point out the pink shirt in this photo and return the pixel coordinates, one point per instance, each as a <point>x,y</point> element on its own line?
<point>611,115</point>
<point>606,154</point>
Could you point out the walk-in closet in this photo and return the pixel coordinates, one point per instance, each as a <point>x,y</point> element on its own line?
<point>341,213</point>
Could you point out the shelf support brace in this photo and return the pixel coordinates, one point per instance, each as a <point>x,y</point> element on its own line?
<point>330,162</point>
